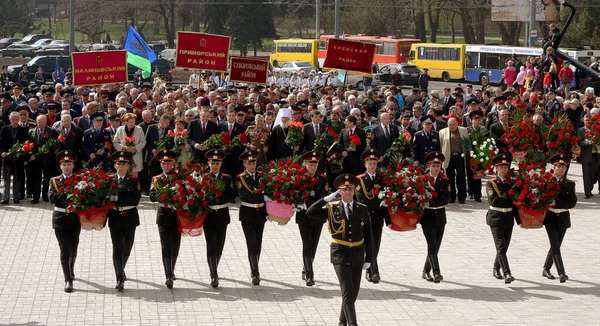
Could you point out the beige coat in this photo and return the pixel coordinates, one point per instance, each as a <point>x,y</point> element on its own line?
<point>445,143</point>
<point>140,143</point>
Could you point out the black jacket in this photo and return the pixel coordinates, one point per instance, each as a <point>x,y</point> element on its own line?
<point>497,193</point>
<point>566,199</point>
<point>129,194</point>
<point>221,216</point>
<point>60,220</point>
<point>164,216</point>
<point>437,217</point>
<point>249,192</point>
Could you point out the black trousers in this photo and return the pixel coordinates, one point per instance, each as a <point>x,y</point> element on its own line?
<point>377,227</point>
<point>215,240</point>
<point>310,235</point>
<point>349,278</point>
<point>456,173</point>
<point>555,236</point>
<point>474,184</point>
<point>68,241</point>
<point>433,236</point>
<point>590,174</point>
<point>170,241</point>
<point>502,238</point>
<point>253,232</point>
<point>122,241</point>
<point>38,179</point>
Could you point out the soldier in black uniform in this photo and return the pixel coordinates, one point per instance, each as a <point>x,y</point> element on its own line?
<point>252,211</point>
<point>558,218</point>
<point>501,215</point>
<point>433,221</point>
<point>310,229</point>
<point>476,126</point>
<point>215,225</point>
<point>66,225</point>
<point>367,190</point>
<point>170,237</point>
<point>352,240</point>
<point>425,140</point>
<point>124,218</point>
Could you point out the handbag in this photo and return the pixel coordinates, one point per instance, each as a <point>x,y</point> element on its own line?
<point>553,68</point>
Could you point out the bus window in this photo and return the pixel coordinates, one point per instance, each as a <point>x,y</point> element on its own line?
<point>472,60</point>
<point>273,47</point>
<point>322,45</point>
<point>493,62</point>
<point>411,55</point>
<point>389,48</point>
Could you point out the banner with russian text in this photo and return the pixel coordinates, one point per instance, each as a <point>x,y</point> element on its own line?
<point>349,55</point>
<point>202,51</point>
<point>101,67</point>
<point>249,70</point>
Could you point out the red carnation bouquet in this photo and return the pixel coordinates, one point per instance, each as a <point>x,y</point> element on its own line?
<point>326,138</point>
<point>129,142</point>
<point>523,136</point>
<point>62,138</point>
<point>90,189</point>
<point>396,150</point>
<point>406,188</point>
<point>561,138</point>
<point>593,135</point>
<point>286,182</point>
<point>180,139</point>
<point>166,142</point>
<point>19,150</point>
<point>295,134</point>
<point>533,186</point>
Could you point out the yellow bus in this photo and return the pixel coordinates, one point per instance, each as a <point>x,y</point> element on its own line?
<point>294,50</point>
<point>444,61</point>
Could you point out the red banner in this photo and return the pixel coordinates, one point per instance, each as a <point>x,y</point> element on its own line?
<point>349,55</point>
<point>101,67</point>
<point>202,51</point>
<point>249,70</point>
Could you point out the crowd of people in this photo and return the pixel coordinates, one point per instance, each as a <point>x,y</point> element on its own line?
<point>124,124</point>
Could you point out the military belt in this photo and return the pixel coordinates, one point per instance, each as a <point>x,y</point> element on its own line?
<point>438,207</point>
<point>501,209</point>
<point>259,205</point>
<point>124,208</point>
<point>59,209</point>
<point>558,210</point>
<point>348,243</point>
<point>217,207</point>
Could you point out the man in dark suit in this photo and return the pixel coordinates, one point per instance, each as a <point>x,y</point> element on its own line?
<point>312,131</point>
<point>253,212</point>
<point>73,137</point>
<point>217,219</point>
<point>198,132</point>
<point>43,166</point>
<point>124,218</point>
<point>558,218</point>
<point>588,157</point>
<point>447,101</point>
<point>499,128</point>
<point>11,166</point>
<point>155,133</point>
<point>383,136</point>
<point>425,140</point>
<point>439,122</point>
<point>170,238</point>
<point>232,165</point>
<point>501,216</point>
<point>352,241</point>
<point>369,184</point>
<point>433,220</point>
<point>352,151</point>
<point>96,145</point>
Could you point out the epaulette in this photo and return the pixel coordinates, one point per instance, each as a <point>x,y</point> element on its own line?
<point>360,204</point>
<point>157,176</point>
<point>225,175</point>
<point>361,175</point>
<point>57,177</point>
<point>241,174</point>
<point>112,175</point>
<point>131,176</point>
<point>321,175</point>
<point>493,179</point>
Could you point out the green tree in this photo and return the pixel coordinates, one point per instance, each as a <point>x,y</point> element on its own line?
<point>15,18</point>
<point>585,28</point>
<point>215,16</point>
<point>249,24</point>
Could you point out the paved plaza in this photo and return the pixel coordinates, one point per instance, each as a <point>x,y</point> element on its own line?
<point>31,281</point>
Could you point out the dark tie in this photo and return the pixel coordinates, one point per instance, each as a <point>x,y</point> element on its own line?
<point>387,132</point>
<point>161,132</point>
<point>316,130</point>
<point>349,209</point>
<point>230,128</point>
<point>120,179</point>
<point>351,132</point>
<point>203,128</point>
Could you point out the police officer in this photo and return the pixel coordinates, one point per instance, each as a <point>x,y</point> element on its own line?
<point>476,127</point>
<point>310,229</point>
<point>558,218</point>
<point>124,218</point>
<point>217,219</point>
<point>352,240</point>
<point>426,140</point>
<point>253,212</point>
<point>433,220</point>
<point>170,238</point>
<point>65,224</point>
<point>367,190</point>
<point>501,215</point>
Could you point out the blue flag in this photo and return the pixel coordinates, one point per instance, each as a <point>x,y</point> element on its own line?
<point>342,76</point>
<point>60,75</point>
<point>139,54</point>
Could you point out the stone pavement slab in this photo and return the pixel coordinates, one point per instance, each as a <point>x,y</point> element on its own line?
<point>31,279</point>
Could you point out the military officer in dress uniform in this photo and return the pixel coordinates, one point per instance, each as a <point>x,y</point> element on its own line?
<point>501,215</point>
<point>558,218</point>
<point>433,220</point>
<point>352,240</point>
<point>96,145</point>
<point>367,190</point>
<point>426,140</point>
<point>124,218</point>
<point>217,219</point>
<point>170,238</point>
<point>475,127</point>
<point>310,229</point>
<point>65,224</point>
<point>253,212</point>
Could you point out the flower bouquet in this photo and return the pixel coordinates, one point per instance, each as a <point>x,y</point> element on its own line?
<point>483,150</point>
<point>295,134</point>
<point>239,141</point>
<point>561,138</point>
<point>407,191</point>
<point>19,150</point>
<point>287,185</point>
<point>354,142</point>
<point>593,135</point>
<point>326,138</point>
<point>49,147</point>
<point>221,141</point>
<point>522,137</point>
<point>180,140</point>
<point>534,188</point>
<point>166,142</point>
<point>89,195</point>
<point>62,138</point>
<point>396,150</point>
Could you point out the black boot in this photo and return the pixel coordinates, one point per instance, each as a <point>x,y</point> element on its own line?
<point>560,268</point>
<point>350,312</point>
<point>310,276</point>
<point>167,264</point>
<point>497,274</point>
<point>125,259</point>
<point>375,278</point>
<point>72,260</point>
<point>435,266</point>
<point>214,276</point>
<point>426,269</point>
<point>253,259</point>
<point>508,278</point>
<point>118,263</point>
<point>67,275</point>
<point>368,275</point>
<point>173,261</point>
<point>547,266</point>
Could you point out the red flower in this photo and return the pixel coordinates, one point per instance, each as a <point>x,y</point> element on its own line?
<point>62,138</point>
